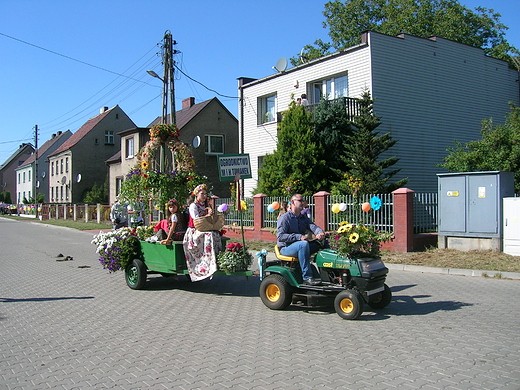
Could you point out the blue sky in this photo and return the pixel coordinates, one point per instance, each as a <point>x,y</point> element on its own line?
<point>97,41</point>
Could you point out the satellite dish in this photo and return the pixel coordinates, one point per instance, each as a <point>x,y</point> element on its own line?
<point>281,64</point>
<point>63,180</point>
<point>196,142</point>
<point>303,57</point>
<point>43,175</point>
<point>78,178</point>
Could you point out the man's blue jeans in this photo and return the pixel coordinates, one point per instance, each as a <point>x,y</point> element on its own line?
<point>302,250</point>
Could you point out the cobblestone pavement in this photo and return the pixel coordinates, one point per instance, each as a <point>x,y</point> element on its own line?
<point>72,325</point>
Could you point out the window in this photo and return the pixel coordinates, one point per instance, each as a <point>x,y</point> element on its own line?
<point>19,178</point>
<point>109,137</point>
<point>52,168</point>
<point>24,177</point>
<point>29,177</point>
<point>214,144</point>
<point>52,193</point>
<point>66,164</point>
<point>61,165</point>
<point>119,182</point>
<point>61,193</point>
<point>129,147</point>
<point>260,161</point>
<point>332,88</point>
<point>266,109</point>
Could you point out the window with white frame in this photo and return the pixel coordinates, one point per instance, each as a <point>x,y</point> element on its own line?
<point>119,182</point>
<point>129,147</point>
<point>109,137</point>
<point>214,144</point>
<point>61,165</point>
<point>52,168</point>
<point>330,88</point>
<point>66,164</point>
<point>266,109</point>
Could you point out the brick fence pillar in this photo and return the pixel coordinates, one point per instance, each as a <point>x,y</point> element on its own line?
<point>403,220</point>
<point>258,216</point>
<point>321,209</point>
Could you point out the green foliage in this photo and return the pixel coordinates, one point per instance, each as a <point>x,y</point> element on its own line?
<point>7,197</point>
<point>97,194</point>
<point>498,150</point>
<point>332,126</point>
<point>443,18</point>
<point>2,197</point>
<point>235,258</point>
<point>297,165</point>
<point>364,171</point>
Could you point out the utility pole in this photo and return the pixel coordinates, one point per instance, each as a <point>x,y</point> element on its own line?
<point>168,78</point>
<point>35,178</point>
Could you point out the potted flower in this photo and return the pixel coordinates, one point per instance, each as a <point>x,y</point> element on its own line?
<point>358,240</point>
<point>234,258</point>
<point>116,248</point>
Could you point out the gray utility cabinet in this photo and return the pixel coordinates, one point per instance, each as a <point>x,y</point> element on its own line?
<point>470,203</point>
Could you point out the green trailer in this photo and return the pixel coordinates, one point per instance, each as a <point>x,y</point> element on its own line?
<point>166,260</point>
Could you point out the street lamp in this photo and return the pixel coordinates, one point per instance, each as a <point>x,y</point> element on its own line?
<point>164,95</point>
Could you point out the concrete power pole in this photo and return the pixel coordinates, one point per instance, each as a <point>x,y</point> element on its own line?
<point>168,77</point>
<point>35,178</point>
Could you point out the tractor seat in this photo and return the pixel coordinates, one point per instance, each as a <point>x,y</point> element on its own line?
<point>282,257</point>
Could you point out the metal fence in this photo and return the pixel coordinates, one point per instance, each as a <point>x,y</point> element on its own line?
<point>425,211</point>
<point>382,219</point>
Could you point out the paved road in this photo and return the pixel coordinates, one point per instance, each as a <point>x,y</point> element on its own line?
<point>72,325</point>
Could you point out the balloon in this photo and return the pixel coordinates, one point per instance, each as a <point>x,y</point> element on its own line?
<point>275,205</point>
<point>366,206</point>
<point>270,208</point>
<point>335,208</point>
<point>342,207</point>
<point>222,208</point>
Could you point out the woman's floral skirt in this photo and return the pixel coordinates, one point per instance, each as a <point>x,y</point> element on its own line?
<point>201,250</point>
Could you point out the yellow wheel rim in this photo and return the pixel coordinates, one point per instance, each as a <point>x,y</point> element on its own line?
<point>346,305</point>
<point>272,292</point>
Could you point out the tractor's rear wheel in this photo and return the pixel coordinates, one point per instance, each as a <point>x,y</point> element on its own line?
<point>276,292</point>
<point>348,304</point>
<point>381,299</point>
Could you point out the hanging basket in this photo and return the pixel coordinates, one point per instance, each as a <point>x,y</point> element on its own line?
<point>209,222</point>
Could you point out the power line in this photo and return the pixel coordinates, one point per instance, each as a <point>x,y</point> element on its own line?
<point>198,82</point>
<point>68,57</point>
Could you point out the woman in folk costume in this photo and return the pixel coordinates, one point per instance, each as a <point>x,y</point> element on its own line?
<point>200,248</point>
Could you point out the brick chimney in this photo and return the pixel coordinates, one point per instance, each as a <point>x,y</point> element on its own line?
<point>187,103</point>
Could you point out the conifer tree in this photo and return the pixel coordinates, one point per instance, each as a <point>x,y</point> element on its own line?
<point>364,170</point>
<point>297,165</point>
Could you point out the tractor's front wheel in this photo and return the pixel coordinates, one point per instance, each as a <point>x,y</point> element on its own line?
<point>275,292</point>
<point>135,274</point>
<point>348,304</point>
<point>381,299</point>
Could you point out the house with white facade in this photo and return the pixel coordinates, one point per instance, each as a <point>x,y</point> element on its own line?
<point>427,92</point>
<point>32,177</point>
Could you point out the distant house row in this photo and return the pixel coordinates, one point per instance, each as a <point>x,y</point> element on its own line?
<point>69,164</point>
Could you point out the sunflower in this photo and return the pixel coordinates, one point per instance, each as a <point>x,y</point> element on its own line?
<point>144,164</point>
<point>343,223</point>
<point>343,229</point>
<point>354,237</point>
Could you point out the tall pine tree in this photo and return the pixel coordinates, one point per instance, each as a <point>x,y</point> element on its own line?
<point>364,171</point>
<point>297,165</point>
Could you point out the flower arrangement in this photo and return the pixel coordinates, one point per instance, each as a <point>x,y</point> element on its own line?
<point>143,232</point>
<point>164,131</point>
<point>353,240</point>
<point>116,248</point>
<point>234,258</point>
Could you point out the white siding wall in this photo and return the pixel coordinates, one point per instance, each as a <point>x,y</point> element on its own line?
<point>426,92</point>
<point>24,187</point>
<point>430,93</point>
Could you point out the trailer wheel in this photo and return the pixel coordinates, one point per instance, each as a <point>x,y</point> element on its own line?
<point>381,299</point>
<point>135,274</point>
<point>348,304</point>
<point>275,292</point>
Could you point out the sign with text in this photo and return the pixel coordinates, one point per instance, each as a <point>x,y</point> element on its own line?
<point>231,165</point>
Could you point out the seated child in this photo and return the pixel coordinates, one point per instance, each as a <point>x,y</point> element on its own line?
<point>175,226</point>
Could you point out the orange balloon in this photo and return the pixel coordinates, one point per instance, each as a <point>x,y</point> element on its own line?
<point>275,205</point>
<point>365,206</point>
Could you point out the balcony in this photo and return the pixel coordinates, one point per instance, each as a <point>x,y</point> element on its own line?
<point>351,105</point>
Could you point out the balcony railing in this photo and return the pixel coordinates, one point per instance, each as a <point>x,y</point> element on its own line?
<point>351,105</point>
